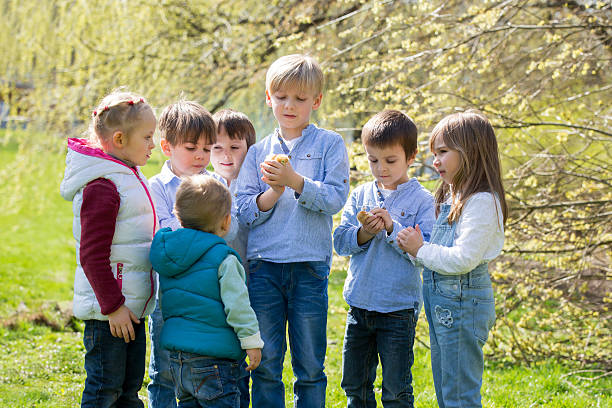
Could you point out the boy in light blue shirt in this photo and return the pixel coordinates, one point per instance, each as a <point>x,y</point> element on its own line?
<point>382,287</point>
<point>289,208</point>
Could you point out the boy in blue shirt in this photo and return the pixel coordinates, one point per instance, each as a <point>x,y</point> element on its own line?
<point>289,208</point>
<point>187,133</point>
<point>208,322</point>
<point>382,287</point>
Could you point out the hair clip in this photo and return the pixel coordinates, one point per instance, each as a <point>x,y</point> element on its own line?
<point>130,103</point>
<point>94,113</point>
<point>141,100</point>
<point>105,109</point>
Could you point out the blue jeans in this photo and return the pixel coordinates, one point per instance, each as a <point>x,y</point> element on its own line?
<point>161,387</point>
<point>372,334</point>
<point>115,369</point>
<point>202,381</point>
<point>460,311</point>
<point>293,294</point>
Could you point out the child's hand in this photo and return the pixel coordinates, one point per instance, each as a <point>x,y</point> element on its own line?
<point>254,358</point>
<point>120,322</point>
<point>410,240</point>
<point>281,174</point>
<point>373,224</point>
<point>384,215</point>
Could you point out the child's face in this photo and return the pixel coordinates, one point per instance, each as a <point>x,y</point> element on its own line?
<point>227,155</point>
<point>389,165</point>
<point>292,109</point>
<point>137,148</point>
<point>446,161</point>
<point>187,159</point>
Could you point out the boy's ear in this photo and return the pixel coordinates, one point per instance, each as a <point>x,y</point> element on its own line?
<point>317,102</point>
<point>165,147</point>
<point>411,158</point>
<point>268,100</point>
<point>227,222</point>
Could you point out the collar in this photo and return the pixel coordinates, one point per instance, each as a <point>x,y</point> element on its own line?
<point>166,175</point>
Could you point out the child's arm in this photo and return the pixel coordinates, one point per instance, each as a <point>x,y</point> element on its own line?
<point>98,217</point>
<point>424,217</point>
<point>235,297</point>
<point>249,192</point>
<point>164,206</point>
<point>480,224</point>
<point>327,196</point>
<point>351,237</point>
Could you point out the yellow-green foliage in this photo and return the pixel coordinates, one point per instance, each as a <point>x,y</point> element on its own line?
<point>539,70</point>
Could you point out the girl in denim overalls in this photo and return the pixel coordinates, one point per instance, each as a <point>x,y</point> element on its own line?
<point>458,296</point>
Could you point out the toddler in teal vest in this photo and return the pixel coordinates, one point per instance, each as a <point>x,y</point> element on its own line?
<point>208,319</point>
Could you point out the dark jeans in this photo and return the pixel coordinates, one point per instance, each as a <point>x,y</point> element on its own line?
<point>205,381</point>
<point>370,335</point>
<point>115,369</point>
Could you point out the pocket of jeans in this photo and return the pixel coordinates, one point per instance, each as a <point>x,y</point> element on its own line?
<point>319,270</point>
<point>254,266</point>
<point>449,288</point>
<point>206,382</point>
<point>484,318</point>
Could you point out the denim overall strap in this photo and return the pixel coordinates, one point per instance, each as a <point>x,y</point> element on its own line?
<point>460,312</point>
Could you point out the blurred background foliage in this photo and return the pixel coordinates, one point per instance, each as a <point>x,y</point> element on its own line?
<point>539,69</point>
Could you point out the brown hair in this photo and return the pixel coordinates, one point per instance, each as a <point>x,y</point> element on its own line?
<point>202,202</point>
<point>236,124</point>
<point>388,128</point>
<point>470,134</point>
<point>120,110</point>
<point>295,70</point>
<point>186,122</point>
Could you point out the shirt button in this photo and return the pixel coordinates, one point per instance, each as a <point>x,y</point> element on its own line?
<point>320,210</point>
<point>402,213</point>
<point>303,202</point>
<point>344,181</point>
<point>308,155</point>
<point>256,215</point>
<point>289,156</point>
<point>391,241</point>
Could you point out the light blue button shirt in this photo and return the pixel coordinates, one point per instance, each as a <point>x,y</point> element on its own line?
<point>381,276</point>
<point>163,189</point>
<point>298,227</point>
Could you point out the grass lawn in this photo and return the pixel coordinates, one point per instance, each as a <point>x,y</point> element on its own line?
<point>41,361</point>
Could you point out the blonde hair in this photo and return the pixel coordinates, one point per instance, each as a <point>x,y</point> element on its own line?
<point>236,124</point>
<point>471,135</point>
<point>295,71</point>
<point>202,202</point>
<point>186,122</point>
<point>120,110</point>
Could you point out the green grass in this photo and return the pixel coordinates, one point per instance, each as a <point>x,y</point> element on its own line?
<point>41,365</point>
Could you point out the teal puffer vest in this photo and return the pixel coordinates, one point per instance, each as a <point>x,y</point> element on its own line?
<point>187,261</point>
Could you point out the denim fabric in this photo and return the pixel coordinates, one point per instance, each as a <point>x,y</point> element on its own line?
<point>115,369</point>
<point>372,334</point>
<point>460,311</point>
<point>278,235</point>
<point>244,378</point>
<point>293,294</point>
<point>202,381</point>
<point>161,388</point>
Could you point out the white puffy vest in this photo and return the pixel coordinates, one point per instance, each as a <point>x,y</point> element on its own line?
<point>134,230</point>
